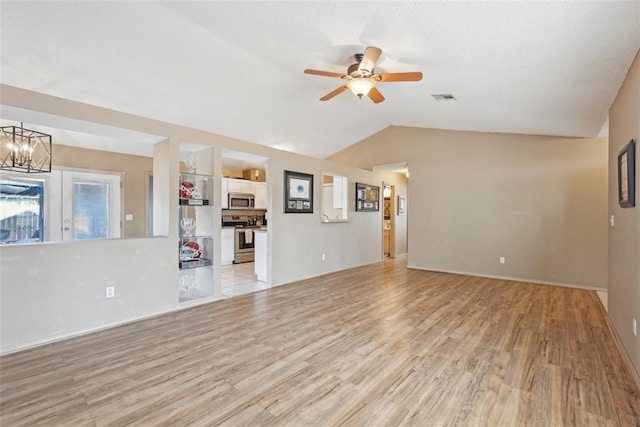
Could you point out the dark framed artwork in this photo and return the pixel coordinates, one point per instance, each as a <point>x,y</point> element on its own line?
<point>298,192</point>
<point>367,197</point>
<point>627,175</point>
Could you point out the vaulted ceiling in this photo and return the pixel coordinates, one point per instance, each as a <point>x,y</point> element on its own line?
<point>236,68</point>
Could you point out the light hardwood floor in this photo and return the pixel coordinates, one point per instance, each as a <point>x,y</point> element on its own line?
<point>374,346</point>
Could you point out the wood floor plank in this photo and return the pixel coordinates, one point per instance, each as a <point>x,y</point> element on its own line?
<point>373,346</point>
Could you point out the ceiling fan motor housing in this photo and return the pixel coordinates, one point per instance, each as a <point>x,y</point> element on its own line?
<point>353,68</point>
<point>353,71</point>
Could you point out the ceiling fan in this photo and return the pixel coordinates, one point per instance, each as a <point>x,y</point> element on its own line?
<point>361,79</point>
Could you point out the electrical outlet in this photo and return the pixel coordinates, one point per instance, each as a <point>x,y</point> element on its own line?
<point>110,291</point>
<point>323,257</point>
<point>634,327</point>
<point>502,260</point>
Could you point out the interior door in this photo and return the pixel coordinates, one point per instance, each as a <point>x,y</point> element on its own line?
<point>91,206</point>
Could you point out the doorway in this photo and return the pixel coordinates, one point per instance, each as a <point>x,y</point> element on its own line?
<point>244,178</point>
<point>64,205</point>
<point>388,223</point>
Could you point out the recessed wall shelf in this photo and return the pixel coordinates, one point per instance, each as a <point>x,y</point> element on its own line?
<point>195,237</point>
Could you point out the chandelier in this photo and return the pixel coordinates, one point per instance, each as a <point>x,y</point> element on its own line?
<point>24,150</point>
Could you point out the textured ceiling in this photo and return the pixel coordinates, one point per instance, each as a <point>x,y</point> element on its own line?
<point>236,68</point>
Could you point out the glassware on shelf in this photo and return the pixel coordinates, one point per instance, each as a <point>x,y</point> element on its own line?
<point>187,225</point>
<point>191,164</point>
<point>195,244</point>
<point>187,283</point>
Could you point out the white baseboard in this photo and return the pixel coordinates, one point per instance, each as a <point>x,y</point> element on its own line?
<point>512,279</point>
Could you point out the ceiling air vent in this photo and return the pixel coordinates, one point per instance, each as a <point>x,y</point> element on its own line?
<point>444,97</point>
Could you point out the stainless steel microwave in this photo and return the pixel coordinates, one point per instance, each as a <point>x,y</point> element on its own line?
<point>242,201</point>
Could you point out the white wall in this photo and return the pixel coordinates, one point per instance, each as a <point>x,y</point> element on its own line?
<point>52,291</point>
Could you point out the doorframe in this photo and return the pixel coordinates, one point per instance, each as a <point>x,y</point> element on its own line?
<point>392,220</point>
<point>58,187</point>
<point>148,203</point>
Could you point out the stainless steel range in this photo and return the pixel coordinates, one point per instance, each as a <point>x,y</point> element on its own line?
<point>244,246</point>
<point>245,222</point>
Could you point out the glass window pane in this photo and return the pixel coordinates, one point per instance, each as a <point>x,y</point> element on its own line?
<point>21,211</point>
<point>90,210</point>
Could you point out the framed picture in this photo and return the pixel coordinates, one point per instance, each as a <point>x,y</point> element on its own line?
<point>367,197</point>
<point>627,175</point>
<point>402,205</point>
<point>298,192</point>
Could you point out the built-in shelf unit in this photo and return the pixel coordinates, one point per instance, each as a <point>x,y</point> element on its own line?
<point>195,237</point>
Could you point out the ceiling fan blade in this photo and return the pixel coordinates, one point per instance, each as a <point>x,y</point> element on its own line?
<point>401,77</point>
<point>375,95</point>
<point>333,93</point>
<point>371,55</point>
<point>324,73</point>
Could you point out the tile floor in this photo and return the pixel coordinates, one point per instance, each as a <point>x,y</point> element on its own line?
<point>239,279</point>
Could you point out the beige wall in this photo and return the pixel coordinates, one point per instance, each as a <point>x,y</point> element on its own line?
<point>133,168</point>
<point>624,237</point>
<point>541,202</point>
<point>144,271</point>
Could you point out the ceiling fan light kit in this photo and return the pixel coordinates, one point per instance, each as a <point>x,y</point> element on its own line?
<point>360,86</point>
<point>361,79</point>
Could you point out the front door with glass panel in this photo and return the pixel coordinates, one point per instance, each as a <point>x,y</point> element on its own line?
<point>21,210</point>
<point>91,206</point>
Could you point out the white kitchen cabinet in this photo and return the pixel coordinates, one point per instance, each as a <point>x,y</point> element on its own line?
<point>240,186</point>
<point>257,188</point>
<point>260,265</point>
<point>224,202</point>
<point>338,191</point>
<point>260,189</point>
<point>228,250</point>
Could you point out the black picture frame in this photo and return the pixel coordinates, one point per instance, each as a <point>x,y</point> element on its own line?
<point>298,192</point>
<point>627,175</point>
<point>367,197</point>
